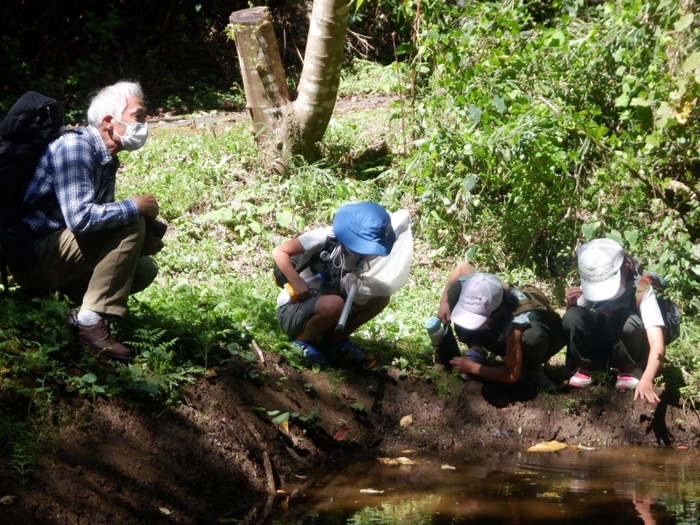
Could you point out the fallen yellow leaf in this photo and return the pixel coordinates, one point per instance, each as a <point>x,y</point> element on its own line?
<point>548,446</point>
<point>164,511</point>
<point>6,500</point>
<point>406,420</point>
<point>285,427</point>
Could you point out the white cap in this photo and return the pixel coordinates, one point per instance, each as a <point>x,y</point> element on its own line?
<point>480,296</point>
<point>600,267</point>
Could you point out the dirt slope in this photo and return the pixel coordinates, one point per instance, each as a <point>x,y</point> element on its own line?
<point>218,456</point>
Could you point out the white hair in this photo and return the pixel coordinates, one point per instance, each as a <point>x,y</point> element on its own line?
<point>112,100</point>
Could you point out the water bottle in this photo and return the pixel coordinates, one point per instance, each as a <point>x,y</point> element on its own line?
<point>435,330</point>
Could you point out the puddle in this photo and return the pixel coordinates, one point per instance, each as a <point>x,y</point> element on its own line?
<point>624,485</point>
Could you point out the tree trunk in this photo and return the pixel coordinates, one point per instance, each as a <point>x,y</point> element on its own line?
<point>282,126</point>
<point>263,75</point>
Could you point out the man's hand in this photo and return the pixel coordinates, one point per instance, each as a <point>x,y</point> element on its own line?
<point>151,245</point>
<point>147,205</point>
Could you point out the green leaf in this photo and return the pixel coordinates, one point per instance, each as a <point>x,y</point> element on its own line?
<point>475,113</point>
<point>469,183</point>
<point>632,237</point>
<point>284,218</point>
<point>653,140</point>
<point>500,104</point>
<point>589,230</point>
<point>663,113</point>
<point>89,378</point>
<point>622,101</point>
<point>692,63</point>
<point>281,418</point>
<point>265,208</point>
<point>273,413</point>
<point>640,102</point>
<point>683,22</point>
<point>255,226</point>
<point>615,236</point>
<point>357,406</point>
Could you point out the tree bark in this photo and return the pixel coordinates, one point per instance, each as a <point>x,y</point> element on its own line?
<point>282,126</point>
<point>263,75</point>
<point>320,76</point>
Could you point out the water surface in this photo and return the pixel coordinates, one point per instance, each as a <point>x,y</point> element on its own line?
<point>621,485</point>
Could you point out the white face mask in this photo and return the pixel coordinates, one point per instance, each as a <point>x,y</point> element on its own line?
<point>135,136</point>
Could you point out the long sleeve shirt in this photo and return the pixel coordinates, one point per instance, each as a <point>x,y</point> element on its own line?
<point>73,187</point>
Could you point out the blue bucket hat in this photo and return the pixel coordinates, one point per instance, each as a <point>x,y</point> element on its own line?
<point>364,228</point>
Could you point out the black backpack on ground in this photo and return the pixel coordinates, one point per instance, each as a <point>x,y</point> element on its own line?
<point>25,132</point>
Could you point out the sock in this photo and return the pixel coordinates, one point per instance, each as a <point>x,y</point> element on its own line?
<point>88,317</point>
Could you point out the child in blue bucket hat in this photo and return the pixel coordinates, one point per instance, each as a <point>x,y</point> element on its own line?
<point>331,258</point>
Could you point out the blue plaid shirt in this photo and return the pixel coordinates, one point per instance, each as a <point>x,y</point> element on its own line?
<point>73,187</point>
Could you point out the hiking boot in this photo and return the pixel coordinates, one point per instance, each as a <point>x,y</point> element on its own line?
<point>580,380</point>
<point>625,382</point>
<point>536,380</point>
<point>98,338</point>
<point>477,355</point>
<point>349,350</point>
<point>310,352</point>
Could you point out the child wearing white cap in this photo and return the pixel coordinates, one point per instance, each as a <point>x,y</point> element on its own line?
<point>360,232</point>
<point>482,309</point>
<point>605,327</point>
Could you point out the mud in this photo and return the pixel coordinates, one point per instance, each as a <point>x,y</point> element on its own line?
<point>218,457</point>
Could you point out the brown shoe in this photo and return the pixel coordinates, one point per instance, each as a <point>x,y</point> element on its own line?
<point>99,339</point>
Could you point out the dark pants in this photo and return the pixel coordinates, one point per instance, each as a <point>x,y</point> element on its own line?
<point>596,341</point>
<point>540,341</point>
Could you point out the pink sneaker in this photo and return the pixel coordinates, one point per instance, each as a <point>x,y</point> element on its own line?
<point>625,382</point>
<point>580,380</point>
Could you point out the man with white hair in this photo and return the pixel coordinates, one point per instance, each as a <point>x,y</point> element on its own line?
<point>86,245</point>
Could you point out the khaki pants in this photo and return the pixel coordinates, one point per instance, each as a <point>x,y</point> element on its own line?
<point>97,270</point>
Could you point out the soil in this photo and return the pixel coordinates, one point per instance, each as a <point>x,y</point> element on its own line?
<point>218,457</point>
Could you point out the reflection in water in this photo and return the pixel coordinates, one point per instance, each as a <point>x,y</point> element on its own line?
<point>630,486</point>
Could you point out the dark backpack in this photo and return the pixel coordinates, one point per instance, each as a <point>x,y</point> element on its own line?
<point>25,132</point>
<point>535,299</point>
<point>315,261</point>
<point>670,311</point>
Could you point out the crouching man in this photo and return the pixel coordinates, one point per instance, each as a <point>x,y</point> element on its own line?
<point>87,245</point>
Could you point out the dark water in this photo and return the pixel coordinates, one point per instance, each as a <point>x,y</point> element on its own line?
<point>624,485</point>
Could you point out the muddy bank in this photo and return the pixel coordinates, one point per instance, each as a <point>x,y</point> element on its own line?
<point>224,453</point>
